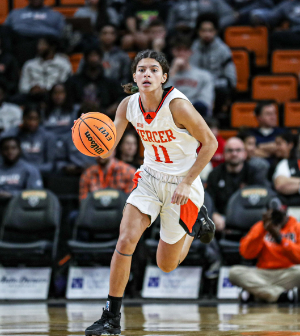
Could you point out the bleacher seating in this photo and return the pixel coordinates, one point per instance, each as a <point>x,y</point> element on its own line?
<point>66,11</point>
<point>72,2</point>
<point>24,3</point>
<point>30,229</point>
<point>286,61</point>
<point>253,39</point>
<point>280,88</point>
<point>292,114</point>
<point>245,208</point>
<point>3,10</point>
<point>97,226</point>
<point>75,60</point>
<point>242,64</point>
<point>242,115</point>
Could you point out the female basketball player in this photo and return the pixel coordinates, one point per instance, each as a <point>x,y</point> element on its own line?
<point>168,183</point>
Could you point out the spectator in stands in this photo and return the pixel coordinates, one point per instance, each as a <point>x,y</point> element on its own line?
<point>60,112</point>
<point>138,15</point>
<point>15,173</point>
<point>116,63</point>
<point>284,11</point>
<point>286,144</point>
<point>99,13</point>
<point>218,157</point>
<point>267,131</point>
<point>213,55</point>
<point>30,23</point>
<point>185,13</point>
<point>49,68</point>
<point>10,114</point>
<point>36,143</point>
<point>228,177</point>
<point>128,149</point>
<point>9,70</point>
<point>287,175</point>
<point>157,34</point>
<point>275,243</point>
<point>243,11</point>
<point>92,86</point>
<point>69,160</point>
<point>250,146</point>
<point>195,83</point>
<point>108,173</point>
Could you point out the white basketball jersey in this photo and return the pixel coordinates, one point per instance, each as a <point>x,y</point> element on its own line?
<point>168,149</point>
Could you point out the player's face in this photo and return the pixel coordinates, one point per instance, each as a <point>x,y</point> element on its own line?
<point>149,75</point>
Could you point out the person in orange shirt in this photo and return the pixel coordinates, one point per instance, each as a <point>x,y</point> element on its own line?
<point>275,243</point>
<point>108,173</point>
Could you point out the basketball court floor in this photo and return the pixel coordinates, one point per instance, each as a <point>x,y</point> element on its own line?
<point>152,319</point>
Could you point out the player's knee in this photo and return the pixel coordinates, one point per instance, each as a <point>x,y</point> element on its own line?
<point>166,267</point>
<point>126,241</point>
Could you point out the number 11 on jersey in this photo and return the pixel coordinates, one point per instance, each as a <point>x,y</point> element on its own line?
<point>165,154</point>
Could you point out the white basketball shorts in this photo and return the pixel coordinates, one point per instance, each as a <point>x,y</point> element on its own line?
<point>152,194</point>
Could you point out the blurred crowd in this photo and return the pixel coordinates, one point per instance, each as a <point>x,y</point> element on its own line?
<point>41,93</point>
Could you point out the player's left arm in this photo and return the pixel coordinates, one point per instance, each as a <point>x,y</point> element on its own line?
<point>186,116</point>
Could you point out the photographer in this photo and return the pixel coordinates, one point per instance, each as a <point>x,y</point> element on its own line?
<point>275,243</point>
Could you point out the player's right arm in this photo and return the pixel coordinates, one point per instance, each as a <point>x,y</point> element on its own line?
<point>120,123</point>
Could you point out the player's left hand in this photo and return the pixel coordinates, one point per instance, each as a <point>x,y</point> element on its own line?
<point>181,194</point>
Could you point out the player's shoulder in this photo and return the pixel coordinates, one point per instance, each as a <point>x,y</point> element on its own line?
<point>178,100</point>
<point>122,108</point>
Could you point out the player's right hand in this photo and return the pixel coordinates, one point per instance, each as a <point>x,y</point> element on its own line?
<point>181,194</point>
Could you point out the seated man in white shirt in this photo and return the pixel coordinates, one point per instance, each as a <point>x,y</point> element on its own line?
<point>287,176</point>
<point>10,114</point>
<point>48,68</point>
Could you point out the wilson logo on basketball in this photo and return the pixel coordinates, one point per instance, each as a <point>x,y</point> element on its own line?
<point>94,145</point>
<point>104,132</point>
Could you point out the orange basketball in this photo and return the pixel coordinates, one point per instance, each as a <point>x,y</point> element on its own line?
<point>94,134</point>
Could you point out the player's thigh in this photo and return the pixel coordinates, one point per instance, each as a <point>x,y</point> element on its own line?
<point>168,254</point>
<point>133,225</point>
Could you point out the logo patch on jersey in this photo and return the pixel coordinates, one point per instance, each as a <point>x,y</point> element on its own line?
<point>149,116</point>
<point>140,125</point>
